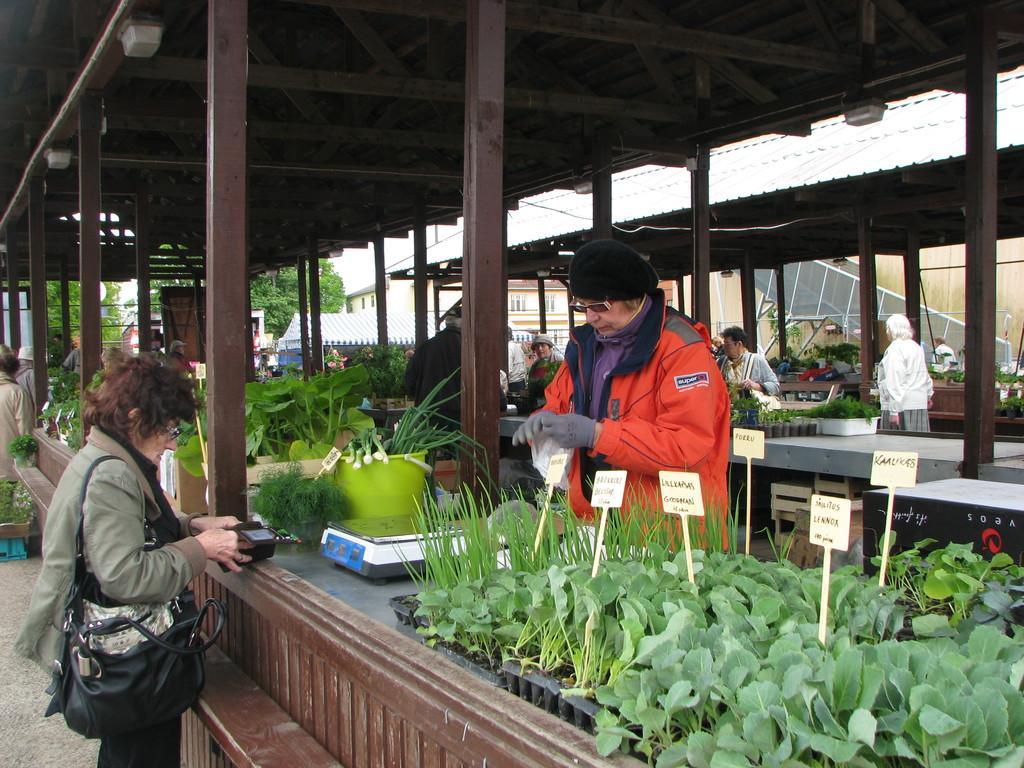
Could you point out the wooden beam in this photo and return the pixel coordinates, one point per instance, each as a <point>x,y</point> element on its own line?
<point>300,267</point>
<point>13,292</point>
<point>601,183</point>
<point>590,26</point>
<point>419,260</point>
<point>868,292</point>
<point>142,214</point>
<point>227,329</point>
<point>89,119</point>
<point>780,309</point>
<point>748,301</point>
<point>380,287</point>
<point>825,30</point>
<point>484,350</point>
<point>32,56</point>
<point>912,278</point>
<point>908,25</point>
<point>700,284</point>
<point>37,291</point>
<point>316,337</point>
<point>980,255</point>
<point>388,86</point>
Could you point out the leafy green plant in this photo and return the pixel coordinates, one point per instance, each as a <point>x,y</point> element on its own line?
<point>16,505</point>
<point>844,408</point>
<point>23,447</point>
<point>1001,605</point>
<point>385,367</point>
<point>847,353</point>
<point>287,499</point>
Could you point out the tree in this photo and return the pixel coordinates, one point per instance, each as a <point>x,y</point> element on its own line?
<point>110,311</point>
<point>278,296</point>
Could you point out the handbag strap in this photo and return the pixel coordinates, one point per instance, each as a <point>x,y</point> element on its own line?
<point>189,649</point>
<point>80,570</point>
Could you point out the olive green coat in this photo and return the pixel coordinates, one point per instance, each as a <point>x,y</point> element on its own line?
<point>15,420</point>
<point>118,499</point>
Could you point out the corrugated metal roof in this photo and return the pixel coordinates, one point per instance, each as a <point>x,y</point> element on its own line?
<point>358,329</point>
<point>922,129</point>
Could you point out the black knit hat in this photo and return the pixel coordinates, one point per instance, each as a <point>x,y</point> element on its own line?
<point>608,269</point>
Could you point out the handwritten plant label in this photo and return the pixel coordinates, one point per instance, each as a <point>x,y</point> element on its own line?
<point>830,522</point>
<point>680,493</point>
<point>200,371</point>
<point>556,469</point>
<point>748,443</point>
<point>331,459</point>
<point>894,469</point>
<point>609,486</point>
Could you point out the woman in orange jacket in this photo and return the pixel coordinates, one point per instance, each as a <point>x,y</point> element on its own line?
<point>639,389</point>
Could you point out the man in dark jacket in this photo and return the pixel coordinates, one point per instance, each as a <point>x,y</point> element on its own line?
<point>436,359</point>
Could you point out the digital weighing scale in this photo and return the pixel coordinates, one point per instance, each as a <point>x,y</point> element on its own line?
<point>376,557</point>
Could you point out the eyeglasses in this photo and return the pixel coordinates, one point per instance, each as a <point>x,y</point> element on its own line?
<point>597,306</point>
<point>173,432</point>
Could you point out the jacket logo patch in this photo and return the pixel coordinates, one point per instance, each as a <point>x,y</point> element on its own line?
<point>691,380</point>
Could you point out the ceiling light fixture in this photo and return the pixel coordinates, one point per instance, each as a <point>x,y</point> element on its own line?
<point>864,112</point>
<point>543,273</point>
<point>57,159</point>
<point>141,37</point>
<point>583,187</point>
<point>726,273</point>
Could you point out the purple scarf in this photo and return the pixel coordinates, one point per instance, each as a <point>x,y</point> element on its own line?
<point>609,352</point>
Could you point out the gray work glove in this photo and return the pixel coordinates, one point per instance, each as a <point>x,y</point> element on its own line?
<point>568,430</point>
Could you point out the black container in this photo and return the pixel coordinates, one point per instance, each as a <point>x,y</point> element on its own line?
<point>980,512</point>
<point>579,711</point>
<point>539,689</point>
<point>495,678</point>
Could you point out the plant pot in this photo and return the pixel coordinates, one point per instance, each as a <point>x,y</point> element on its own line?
<point>383,498</point>
<point>15,530</point>
<point>848,427</point>
<point>25,461</point>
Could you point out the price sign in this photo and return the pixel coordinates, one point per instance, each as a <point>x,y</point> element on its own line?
<point>609,486</point>
<point>330,460</point>
<point>895,469</point>
<point>830,522</point>
<point>556,469</point>
<point>748,443</point>
<point>200,371</point>
<point>681,495</point>
<point>830,528</point>
<point>555,473</point>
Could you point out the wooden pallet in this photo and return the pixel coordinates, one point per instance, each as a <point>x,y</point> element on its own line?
<point>837,485</point>
<point>789,499</point>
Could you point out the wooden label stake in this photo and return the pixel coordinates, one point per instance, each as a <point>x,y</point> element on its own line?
<point>609,486</point>
<point>556,471</point>
<point>750,444</point>
<point>893,469</point>
<point>830,528</point>
<point>681,495</point>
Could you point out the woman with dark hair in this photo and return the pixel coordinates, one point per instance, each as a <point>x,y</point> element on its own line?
<point>136,548</point>
<point>15,410</point>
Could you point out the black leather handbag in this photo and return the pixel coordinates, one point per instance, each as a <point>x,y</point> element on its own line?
<point>115,674</point>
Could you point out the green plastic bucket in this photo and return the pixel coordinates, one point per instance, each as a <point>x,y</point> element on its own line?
<point>383,498</point>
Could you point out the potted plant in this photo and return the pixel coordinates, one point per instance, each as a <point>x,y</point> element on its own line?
<point>846,416</point>
<point>385,367</point>
<point>23,450</point>
<point>301,505</point>
<point>16,510</point>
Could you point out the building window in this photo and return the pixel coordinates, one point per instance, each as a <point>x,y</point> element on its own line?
<point>517,302</point>
<point>549,302</point>
<point>373,300</point>
<point>362,303</point>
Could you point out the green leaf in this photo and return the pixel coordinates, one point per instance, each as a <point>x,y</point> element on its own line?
<point>607,743</point>
<point>862,727</point>
<point>835,749</point>
<point>935,722</point>
<point>932,625</point>
<point>679,696</point>
<point>846,680</point>
<point>985,644</point>
<point>700,749</point>
<point>726,759</point>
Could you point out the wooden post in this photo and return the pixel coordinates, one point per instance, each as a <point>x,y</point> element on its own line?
<point>307,363</point>
<point>601,183</point>
<point>912,281</point>
<point>89,119</point>
<point>747,302</point>
<point>13,297</point>
<point>227,329</point>
<point>144,322</point>
<point>419,267</point>
<point>980,219</point>
<point>37,286</point>
<point>868,355</point>
<point>483,339</point>
<point>542,305</point>
<point>316,338</point>
<point>700,281</point>
<point>780,309</point>
<point>65,305</point>
<point>380,287</point>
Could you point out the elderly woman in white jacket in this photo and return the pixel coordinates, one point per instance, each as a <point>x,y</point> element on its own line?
<point>904,386</point>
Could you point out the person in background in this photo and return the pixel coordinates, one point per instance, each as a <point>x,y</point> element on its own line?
<point>26,375</point>
<point>544,367</point>
<point>137,549</point>
<point>516,364</point>
<point>176,357</point>
<point>16,414</point>
<point>433,361</point>
<point>744,369</point>
<point>718,347</point>
<point>638,389</point>
<point>943,354</point>
<point>73,362</point>
<point>156,343</point>
<point>904,386</point>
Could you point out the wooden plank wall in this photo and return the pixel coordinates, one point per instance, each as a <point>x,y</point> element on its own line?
<point>198,746</point>
<point>373,697</point>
